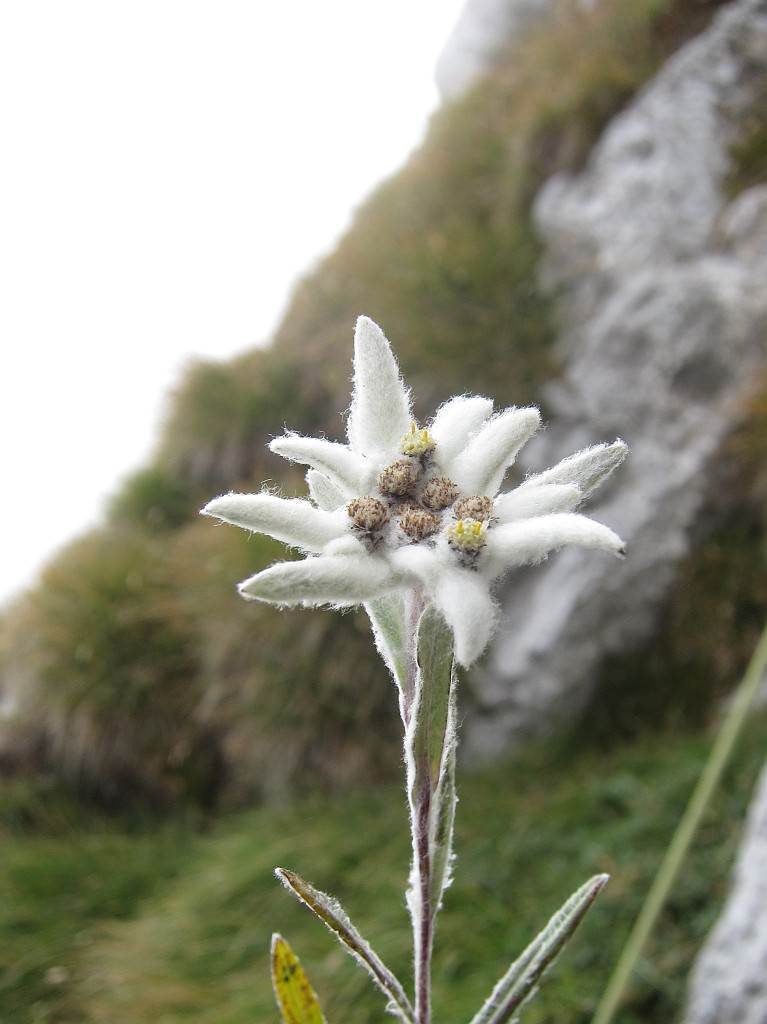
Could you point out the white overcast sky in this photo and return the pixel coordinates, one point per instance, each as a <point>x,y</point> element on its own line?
<point>169,168</point>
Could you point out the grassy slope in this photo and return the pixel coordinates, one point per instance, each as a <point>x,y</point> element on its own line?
<point>166,925</point>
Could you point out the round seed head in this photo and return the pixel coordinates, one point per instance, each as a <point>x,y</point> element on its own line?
<point>438,493</point>
<point>418,523</point>
<point>399,478</point>
<point>368,514</point>
<point>475,507</point>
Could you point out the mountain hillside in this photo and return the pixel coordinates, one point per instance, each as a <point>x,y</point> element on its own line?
<point>554,240</point>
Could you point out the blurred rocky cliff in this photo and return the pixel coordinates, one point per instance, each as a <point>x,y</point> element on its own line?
<point>658,271</point>
<point>584,226</point>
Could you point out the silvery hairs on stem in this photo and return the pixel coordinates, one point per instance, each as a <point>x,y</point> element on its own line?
<point>403,507</point>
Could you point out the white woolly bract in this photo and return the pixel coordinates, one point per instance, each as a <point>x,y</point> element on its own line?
<point>380,411</point>
<point>349,472</point>
<point>530,540</point>
<point>464,599</point>
<point>461,595</point>
<point>456,421</point>
<point>481,466</point>
<point>586,469</point>
<point>328,579</point>
<point>323,491</point>
<point>290,520</point>
<point>525,502</point>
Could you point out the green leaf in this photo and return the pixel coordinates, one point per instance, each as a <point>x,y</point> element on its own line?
<point>430,745</point>
<point>443,813</point>
<point>387,617</point>
<point>295,996</point>
<point>431,736</point>
<point>335,917</point>
<point>521,980</point>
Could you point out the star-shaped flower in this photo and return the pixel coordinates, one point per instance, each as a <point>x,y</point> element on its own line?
<point>402,507</point>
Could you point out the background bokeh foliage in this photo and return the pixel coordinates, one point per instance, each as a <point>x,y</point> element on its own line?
<point>135,670</point>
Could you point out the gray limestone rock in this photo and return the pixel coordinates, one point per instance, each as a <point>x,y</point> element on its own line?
<point>728,984</point>
<point>660,285</point>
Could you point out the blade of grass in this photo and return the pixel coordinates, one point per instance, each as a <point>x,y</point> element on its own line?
<point>672,861</point>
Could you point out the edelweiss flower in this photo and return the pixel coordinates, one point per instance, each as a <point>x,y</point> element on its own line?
<point>401,507</point>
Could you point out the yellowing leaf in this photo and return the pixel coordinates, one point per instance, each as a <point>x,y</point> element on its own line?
<point>295,996</point>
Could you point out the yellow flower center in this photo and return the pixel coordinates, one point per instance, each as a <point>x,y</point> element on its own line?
<point>467,535</point>
<point>417,442</point>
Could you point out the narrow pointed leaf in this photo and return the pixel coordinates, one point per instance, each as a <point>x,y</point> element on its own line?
<point>295,996</point>
<point>387,617</point>
<point>335,917</point>
<point>445,801</point>
<point>435,664</point>
<point>520,981</point>
<point>430,754</point>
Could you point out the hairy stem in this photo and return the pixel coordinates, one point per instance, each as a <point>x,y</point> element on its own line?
<point>424,925</point>
<point>419,792</point>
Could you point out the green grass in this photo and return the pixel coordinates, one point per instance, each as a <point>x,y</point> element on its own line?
<point>63,870</point>
<point>160,923</point>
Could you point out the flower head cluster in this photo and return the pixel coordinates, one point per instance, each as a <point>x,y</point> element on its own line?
<point>403,506</point>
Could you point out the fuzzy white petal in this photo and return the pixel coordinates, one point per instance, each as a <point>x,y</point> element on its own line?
<point>464,599</point>
<point>454,424</point>
<point>323,491</point>
<point>414,561</point>
<point>346,545</point>
<point>349,472</point>
<point>291,520</point>
<point>380,411</point>
<point>530,540</point>
<point>462,595</point>
<point>586,469</point>
<point>524,502</point>
<point>481,466</point>
<point>336,579</point>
